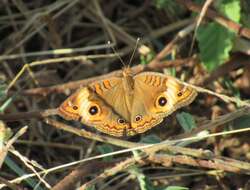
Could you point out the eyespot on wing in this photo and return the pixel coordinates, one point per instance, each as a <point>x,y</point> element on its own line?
<point>69,109</point>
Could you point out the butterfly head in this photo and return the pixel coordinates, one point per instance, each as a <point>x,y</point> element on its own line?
<point>126,71</point>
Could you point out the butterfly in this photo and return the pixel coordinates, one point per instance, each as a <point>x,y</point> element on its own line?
<point>128,104</point>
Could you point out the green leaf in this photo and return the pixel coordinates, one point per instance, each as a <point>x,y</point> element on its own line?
<point>231,9</point>
<point>3,91</point>
<point>161,3</point>
<point>170,71</point>
<point>175,188</point>
<point>145,59</point>
<point>186,121</point>
<point>150,139</point>
<point>5,134</point>
<point>105,148</point>
<point>91,188</point>
<point>5,104</point>
<point>215,43</point>
<point>3,95</point>
<point>144,182</point>
<point>168,4</point>
<point>241,122</point>
<point>230,86</point>
<point>33,183</point>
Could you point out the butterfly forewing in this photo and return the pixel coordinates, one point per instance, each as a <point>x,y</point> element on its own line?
<point>113,93</point>
<point>69,108</point>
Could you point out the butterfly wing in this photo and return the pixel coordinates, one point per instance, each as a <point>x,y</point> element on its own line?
<point>113,93</point>
<point>100,105</point>
<point>156,96</point>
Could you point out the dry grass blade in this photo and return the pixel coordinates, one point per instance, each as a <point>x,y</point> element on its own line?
<point>199,20</point>
<point>4,150</point>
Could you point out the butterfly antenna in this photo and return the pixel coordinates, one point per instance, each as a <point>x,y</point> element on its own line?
<point>117,54</point>
<point>132,56</point>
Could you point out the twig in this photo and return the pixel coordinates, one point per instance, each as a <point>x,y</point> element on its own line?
<point>69,181</point>
<point>10,185</point>
<point>28,115</point>
<point>56,52</point>
<point>241,31</point>
<point>154,64</point>
<point>168,48</point>
<point>237,61</point>
<point>223,163</point>
<point>56,60</point>
<point>221,120</point>
<point>86,134</point>
<point>223,97</point>
<point>29,165</point>
<point>62,88</point>
<point>5,149</point>
<point>152,148</point>
<point>89,135</point>
<point>215,163</point>
<point>199,19</point>
<point>112,171</point>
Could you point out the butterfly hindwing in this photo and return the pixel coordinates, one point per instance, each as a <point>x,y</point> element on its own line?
<point>85,105</point>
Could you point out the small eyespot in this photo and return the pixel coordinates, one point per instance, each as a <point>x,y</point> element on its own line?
<point>121,121</point>
<point>75,107</point>
<point>93,110</point>
<point>179,94</point>
<point>162,101</point>
<point>138,118</point>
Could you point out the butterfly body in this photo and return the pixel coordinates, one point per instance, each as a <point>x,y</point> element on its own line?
<point>127,104</point>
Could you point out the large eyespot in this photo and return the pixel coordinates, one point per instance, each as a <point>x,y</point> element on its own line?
<point>138,118</point>
<point>93,110</point>
<point>121,121</point>
<point>162,101</point>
